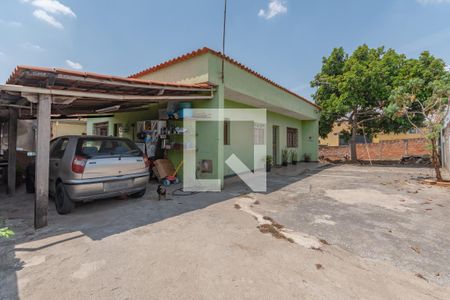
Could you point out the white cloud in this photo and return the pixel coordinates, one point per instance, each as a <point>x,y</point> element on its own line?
<point>48,9</point>
<point>430,2</point>
<point>44,16</point>
<point>74,65</point>
<point>52,6</point>
<point>33,47</point>
<point>10,23</point>
<point>275,7</point>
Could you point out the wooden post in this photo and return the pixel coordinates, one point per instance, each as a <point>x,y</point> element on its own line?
<point>42,160</point>
<point>12,149</point>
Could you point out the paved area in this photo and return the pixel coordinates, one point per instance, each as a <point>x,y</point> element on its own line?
<point>340,232</point>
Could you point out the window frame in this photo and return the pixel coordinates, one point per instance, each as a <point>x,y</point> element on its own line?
<point>226,132</point>
<point>57,152</point>
<point>291,137</point>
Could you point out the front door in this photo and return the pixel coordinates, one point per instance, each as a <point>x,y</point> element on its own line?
<point>275,130</point>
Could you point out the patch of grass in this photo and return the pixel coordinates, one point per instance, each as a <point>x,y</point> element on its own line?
<point>319,267</point>
<point>237,206</point>
<point>256,202</point>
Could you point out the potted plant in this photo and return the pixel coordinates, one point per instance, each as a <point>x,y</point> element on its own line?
<point>284,157</point>
<point>268,163</point>
<point>294,156</point>
<point>306,157</point>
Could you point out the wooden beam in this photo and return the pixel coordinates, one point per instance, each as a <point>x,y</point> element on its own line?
<point>42,161</point>
<point>12,150</point>
<point>78,94</point>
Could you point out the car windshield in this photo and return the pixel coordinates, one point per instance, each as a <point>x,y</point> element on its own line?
<point>97,147</point>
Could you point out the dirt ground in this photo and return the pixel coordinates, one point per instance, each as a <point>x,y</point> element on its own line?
<point>336,232</point>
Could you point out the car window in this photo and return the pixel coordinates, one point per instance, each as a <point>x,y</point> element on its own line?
<point>107,147</point>
<point>59,148</point>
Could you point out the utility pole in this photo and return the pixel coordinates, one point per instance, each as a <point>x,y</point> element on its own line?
<point>223,40</point>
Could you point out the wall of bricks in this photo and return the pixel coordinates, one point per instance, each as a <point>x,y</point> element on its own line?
<point>386,150</point>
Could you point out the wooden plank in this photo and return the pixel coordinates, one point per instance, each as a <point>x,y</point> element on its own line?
<point>106,96</point>
<point>42,161</point>
<point>12,150</point>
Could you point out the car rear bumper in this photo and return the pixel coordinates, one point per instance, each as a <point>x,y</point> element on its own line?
<point>81,190</point>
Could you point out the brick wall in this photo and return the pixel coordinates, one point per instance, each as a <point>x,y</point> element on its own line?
<point>386,150</point>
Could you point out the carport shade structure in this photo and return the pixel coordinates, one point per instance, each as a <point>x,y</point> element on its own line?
<point>36,92</point>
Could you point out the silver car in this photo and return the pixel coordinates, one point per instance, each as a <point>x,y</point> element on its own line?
<point>85,168</point>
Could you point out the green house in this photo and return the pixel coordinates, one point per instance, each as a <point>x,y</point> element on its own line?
<point>292,121</point>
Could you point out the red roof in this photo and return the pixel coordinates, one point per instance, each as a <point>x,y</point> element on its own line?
<point>205,50</point>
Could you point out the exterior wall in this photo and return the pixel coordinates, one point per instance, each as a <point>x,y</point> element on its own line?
<point>395,136</point>
<point>68,127</point>
<point>246,83</point>
<point>194,70</point>
<point>386,150</point>
<point>332,138</point>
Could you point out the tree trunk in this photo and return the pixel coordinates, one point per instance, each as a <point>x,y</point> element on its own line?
<point>353,153</point>
<point>435,159</point>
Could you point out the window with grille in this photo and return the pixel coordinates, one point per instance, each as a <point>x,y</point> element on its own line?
<point>292,137</point>
<point>258,134</point>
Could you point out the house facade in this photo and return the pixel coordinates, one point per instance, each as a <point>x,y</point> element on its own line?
<point>292,121</point>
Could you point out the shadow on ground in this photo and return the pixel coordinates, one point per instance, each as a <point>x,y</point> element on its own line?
<point>102,218</point>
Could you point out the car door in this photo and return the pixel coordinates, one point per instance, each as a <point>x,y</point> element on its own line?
<point>56,155</point>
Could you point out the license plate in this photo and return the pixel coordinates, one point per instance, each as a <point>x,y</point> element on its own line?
<point>117,185</point>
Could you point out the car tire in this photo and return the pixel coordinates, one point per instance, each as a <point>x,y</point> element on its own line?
<point>62,201</point>
<point>139,194</point>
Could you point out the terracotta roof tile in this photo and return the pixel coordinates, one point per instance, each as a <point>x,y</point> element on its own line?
<point>205,50</point>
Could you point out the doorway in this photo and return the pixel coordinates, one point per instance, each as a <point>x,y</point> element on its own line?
<point>101,129</point>
<point>275,142</point>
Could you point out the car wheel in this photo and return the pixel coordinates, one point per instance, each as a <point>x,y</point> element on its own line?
<point>138,194</point>
<point>62,201</point>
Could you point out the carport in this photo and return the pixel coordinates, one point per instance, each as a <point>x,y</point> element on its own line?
<point>43,93</point>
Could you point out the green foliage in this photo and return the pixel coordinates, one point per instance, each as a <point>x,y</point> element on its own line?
<point>285,155</point>
<point>423,99</point>
<point>6,232</point>
<point>268,160</point>
<point>293,154</point>
<point>355,88</point>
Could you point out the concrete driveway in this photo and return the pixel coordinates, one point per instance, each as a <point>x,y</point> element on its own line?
<point>342,232</point>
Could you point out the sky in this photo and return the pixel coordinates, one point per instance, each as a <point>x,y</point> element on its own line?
<point>283,40</point>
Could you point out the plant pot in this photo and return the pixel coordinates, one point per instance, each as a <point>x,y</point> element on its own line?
<point>284,163</point>
<point>268,168</point>
<point>294,162</point>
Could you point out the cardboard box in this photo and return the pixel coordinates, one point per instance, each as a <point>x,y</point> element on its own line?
<point>164,168</point>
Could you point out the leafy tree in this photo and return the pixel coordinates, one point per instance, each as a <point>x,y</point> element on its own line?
<point>356,88</point>
<point>423,98</point>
